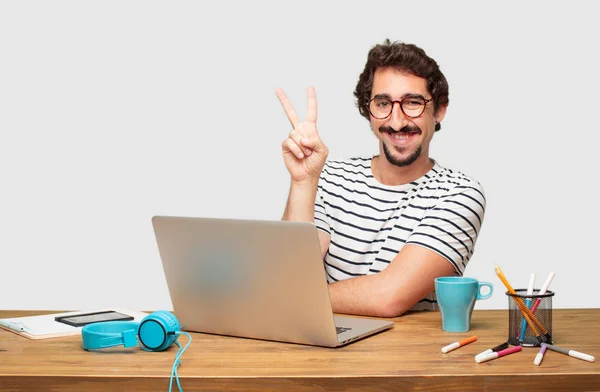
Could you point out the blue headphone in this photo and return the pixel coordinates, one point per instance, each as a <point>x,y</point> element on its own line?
<point>156,332</point>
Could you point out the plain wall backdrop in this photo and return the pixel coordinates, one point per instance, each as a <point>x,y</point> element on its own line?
<point>114,111</point>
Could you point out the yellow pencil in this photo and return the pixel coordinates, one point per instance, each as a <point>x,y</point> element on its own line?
<point>529,317</point>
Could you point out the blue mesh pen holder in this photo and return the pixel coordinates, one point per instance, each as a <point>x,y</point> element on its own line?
<point>520,332</point>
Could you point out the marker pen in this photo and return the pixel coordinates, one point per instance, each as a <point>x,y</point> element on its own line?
<point>490,356</point>
<point>455,345</point>
<point>571,353</point>
<point>492,350</point>
<point>540,355</point>
<point>542,291</point>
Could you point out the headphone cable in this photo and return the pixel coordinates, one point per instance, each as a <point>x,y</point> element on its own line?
<point>178,360</point>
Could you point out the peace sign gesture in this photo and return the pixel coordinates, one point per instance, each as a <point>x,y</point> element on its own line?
<point>303,151</point>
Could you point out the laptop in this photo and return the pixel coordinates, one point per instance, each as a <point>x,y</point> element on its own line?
<point>254,279</point>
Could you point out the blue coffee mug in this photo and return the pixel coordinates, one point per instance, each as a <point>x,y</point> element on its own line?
<point>456,296</point>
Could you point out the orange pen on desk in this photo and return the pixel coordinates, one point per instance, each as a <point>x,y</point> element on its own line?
<point>460,343</point>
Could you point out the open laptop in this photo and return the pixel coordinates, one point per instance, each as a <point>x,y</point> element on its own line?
<point>253,278</point>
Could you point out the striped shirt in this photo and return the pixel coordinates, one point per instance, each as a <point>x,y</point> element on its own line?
<point>369,222</point>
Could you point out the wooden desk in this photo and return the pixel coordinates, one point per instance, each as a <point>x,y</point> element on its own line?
<point>406,358</point>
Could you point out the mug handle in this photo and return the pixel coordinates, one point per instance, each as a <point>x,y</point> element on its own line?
<point>484,284</point>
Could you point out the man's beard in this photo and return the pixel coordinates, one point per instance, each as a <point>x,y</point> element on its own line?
<point>399,161</point>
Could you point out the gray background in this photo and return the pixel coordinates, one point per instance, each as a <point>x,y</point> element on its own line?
<point>114,111</point>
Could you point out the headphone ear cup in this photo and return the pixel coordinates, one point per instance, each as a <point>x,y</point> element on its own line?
<point>170,319</point>
<point>159,330</point>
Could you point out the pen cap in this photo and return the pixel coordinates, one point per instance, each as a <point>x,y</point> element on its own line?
<point>536,311</point>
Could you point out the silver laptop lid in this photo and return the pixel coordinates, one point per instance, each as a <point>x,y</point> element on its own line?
<point>247,278</point>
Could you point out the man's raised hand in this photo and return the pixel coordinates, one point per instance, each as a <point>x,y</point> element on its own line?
<point>303,151</point>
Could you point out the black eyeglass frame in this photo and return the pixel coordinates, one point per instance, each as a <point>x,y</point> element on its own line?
<point>399,103</point>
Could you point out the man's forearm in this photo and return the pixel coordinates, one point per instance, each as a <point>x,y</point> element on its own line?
<point>368,295</point>
<point>361,295</point>
<point>300,205</point>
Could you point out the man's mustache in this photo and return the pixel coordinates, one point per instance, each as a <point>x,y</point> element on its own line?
<point>408,128</point>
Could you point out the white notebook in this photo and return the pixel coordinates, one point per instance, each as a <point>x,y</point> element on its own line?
<point>45,326</point>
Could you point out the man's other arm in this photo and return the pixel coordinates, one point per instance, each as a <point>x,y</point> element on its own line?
<point>391,292</point>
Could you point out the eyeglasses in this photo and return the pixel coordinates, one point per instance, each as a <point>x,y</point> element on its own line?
<point>412,107</point>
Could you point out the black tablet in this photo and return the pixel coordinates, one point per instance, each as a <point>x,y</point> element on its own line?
<point>79,320</point>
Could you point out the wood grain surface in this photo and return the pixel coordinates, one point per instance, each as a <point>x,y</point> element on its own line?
<point>406,358</point>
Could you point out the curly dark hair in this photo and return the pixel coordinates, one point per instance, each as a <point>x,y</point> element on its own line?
<point>403,57</point>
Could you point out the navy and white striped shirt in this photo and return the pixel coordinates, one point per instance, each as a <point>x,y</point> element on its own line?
<point>369,222</point>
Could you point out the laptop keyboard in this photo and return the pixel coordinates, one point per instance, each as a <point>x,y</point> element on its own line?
<point>339,330</point>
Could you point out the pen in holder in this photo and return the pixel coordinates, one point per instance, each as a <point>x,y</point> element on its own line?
<point>537,316</point>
